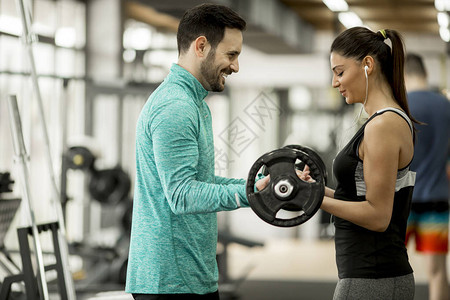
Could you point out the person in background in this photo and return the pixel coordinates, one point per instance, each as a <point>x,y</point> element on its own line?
<point>174,225</point>
<point>429,218</point>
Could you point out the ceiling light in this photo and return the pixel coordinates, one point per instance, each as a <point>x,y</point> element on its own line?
<point>129,55</point>
<point>336,5</point>
<point>349,19</point>
<point>445,34</point>
<point>65,37</point>
<point>443,19</point>
<point>442,5</point>
<point>42,29</point>
<point>299,98</point>
<point>139,38</point>
<point>161,58</point>
<point>11,25</point>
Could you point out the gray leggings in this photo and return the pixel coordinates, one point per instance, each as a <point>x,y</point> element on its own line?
<point>393,288</point>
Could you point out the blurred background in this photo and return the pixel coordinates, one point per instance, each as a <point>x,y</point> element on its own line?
<point>97,62</point>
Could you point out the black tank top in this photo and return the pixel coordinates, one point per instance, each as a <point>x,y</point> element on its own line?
<point>362,253</point>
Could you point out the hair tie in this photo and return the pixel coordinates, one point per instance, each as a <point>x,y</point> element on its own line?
<point>383,33</point>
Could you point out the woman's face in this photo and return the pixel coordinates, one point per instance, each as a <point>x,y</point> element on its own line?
<point>349,78</point>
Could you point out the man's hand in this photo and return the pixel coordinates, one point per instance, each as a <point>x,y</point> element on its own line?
<point>262,183</point>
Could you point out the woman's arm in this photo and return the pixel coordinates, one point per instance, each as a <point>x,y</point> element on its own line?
<point>329,192</point>
<point>380,152</point>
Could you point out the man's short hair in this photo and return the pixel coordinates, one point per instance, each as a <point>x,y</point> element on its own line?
<point>209,20</point>
<point>414,65</point>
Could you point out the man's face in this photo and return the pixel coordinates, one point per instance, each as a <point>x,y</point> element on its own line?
<point>222,61</point>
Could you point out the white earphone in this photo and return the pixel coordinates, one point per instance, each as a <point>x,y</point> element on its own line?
<point>367,91</point>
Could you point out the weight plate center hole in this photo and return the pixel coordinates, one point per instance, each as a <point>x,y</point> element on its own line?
<point>283,188</point>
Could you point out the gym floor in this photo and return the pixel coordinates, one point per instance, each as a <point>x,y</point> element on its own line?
<point>283,270</point>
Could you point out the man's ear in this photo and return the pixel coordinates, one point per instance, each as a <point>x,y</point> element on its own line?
<point>201,46</point>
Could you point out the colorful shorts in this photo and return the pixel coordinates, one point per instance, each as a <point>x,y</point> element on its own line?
<point>429,223</point>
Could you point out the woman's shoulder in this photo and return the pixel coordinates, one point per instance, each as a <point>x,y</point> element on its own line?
<point>387,124</point>
<point>391,116</point>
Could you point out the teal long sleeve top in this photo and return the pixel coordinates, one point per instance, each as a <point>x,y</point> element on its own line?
<point>176,195</point>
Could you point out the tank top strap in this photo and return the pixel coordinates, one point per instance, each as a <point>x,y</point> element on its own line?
<point>397,111</point>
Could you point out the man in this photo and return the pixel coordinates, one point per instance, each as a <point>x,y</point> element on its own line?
<point>174,228</point>
<point>429,218</point>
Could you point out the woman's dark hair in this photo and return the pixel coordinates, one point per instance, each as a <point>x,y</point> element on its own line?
<point>359,42</point>
<point>209,20</point>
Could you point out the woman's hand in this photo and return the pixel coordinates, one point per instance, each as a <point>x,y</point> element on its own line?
<point>304,175</point>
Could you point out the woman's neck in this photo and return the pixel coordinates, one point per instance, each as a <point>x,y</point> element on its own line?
<point>380,96</point>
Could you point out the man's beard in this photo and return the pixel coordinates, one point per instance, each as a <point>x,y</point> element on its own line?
<point>209,72</point>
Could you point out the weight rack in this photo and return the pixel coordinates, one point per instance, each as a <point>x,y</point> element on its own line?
<point>27,275</point>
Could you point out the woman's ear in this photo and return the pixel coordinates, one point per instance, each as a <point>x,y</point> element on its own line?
<point>368,64</point>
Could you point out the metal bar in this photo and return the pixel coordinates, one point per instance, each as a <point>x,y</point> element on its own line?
<point>5,289</point>
<point>119,129</point>
<point>51,41</point>
<point>21,161</point>
<point>31,286</point>
<point>28,39</point>
<point>64,103</point>
<point>51,76</point>
<point>59,262</point>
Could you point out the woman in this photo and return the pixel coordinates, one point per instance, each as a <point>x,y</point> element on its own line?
<point>374,185</point>
<point>372,199</point>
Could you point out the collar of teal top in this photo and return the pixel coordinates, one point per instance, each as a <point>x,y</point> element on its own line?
<point>192,85</point>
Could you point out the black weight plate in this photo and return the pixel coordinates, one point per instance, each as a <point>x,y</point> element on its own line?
<point>109,186</point>
<point>313,155</point>
<point>303,196</point>
<point>79,158</point>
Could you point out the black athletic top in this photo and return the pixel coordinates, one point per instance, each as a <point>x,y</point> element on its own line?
<point>362,253</point>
